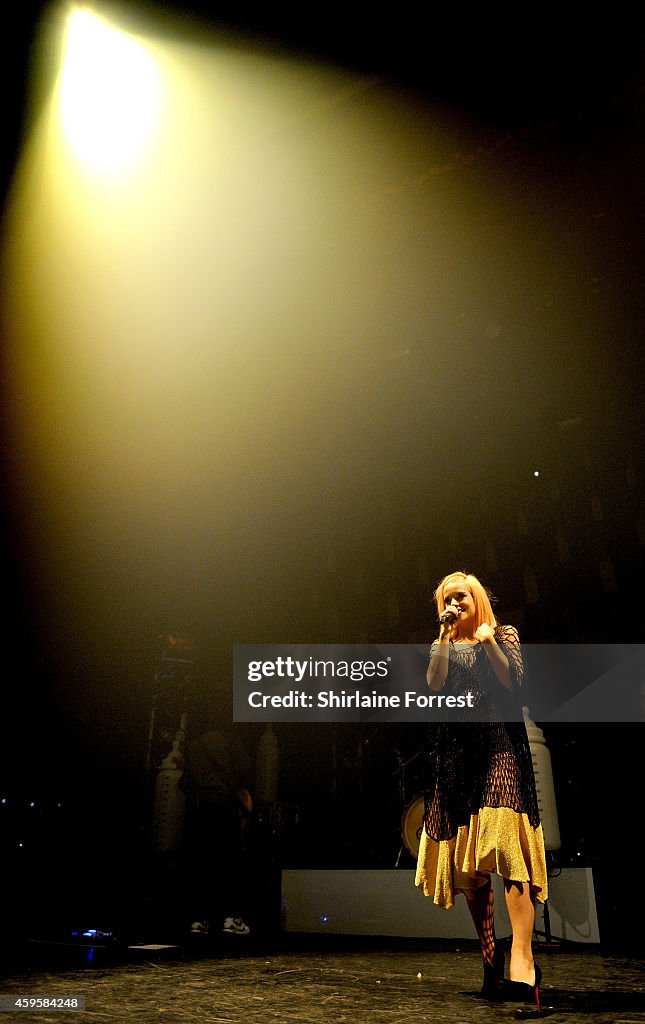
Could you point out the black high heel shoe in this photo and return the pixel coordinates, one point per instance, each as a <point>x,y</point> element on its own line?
<point>494,985</point>
<point>521,992</point>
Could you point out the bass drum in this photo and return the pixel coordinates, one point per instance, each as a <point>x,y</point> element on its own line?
<point>412,825</point>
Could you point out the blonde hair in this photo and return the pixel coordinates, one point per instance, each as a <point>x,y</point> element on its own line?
<point>481,598</point>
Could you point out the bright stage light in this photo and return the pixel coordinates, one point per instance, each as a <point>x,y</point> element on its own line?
<point>109,96</point>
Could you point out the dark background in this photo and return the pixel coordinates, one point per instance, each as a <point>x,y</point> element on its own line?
<point>552,100</point>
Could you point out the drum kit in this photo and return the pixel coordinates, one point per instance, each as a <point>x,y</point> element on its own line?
<point>412,826</point>
<point>408,776</point>
<point>412,813</point>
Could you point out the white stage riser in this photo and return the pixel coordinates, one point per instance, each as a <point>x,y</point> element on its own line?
<point>375,902</point>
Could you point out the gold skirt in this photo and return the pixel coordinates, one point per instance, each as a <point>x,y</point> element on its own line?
<point>496,840</point>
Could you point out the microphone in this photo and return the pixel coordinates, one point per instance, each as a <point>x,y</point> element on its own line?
<point>449,615</point>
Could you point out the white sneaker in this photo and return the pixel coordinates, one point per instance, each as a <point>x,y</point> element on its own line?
<point>199,928</point>
<point>235,926</point>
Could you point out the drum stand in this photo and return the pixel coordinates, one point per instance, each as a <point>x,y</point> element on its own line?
<point>544,937</point>
<point>400,771</point>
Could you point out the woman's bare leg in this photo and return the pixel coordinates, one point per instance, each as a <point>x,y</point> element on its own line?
<point>521,910</point>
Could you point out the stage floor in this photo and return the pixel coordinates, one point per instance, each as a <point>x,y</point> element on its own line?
<point>296,979</point>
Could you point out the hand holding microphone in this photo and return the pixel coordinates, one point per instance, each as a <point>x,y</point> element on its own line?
<point>447,619</point>
<point>449,615</point>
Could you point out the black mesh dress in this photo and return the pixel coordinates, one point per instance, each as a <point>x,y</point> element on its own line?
<point>481,813</point>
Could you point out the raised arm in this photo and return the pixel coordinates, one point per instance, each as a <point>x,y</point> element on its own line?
<point>439,653</point>
<point>502,646</point>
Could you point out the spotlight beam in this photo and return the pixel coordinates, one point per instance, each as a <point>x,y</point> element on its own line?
<point>109,96</point>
